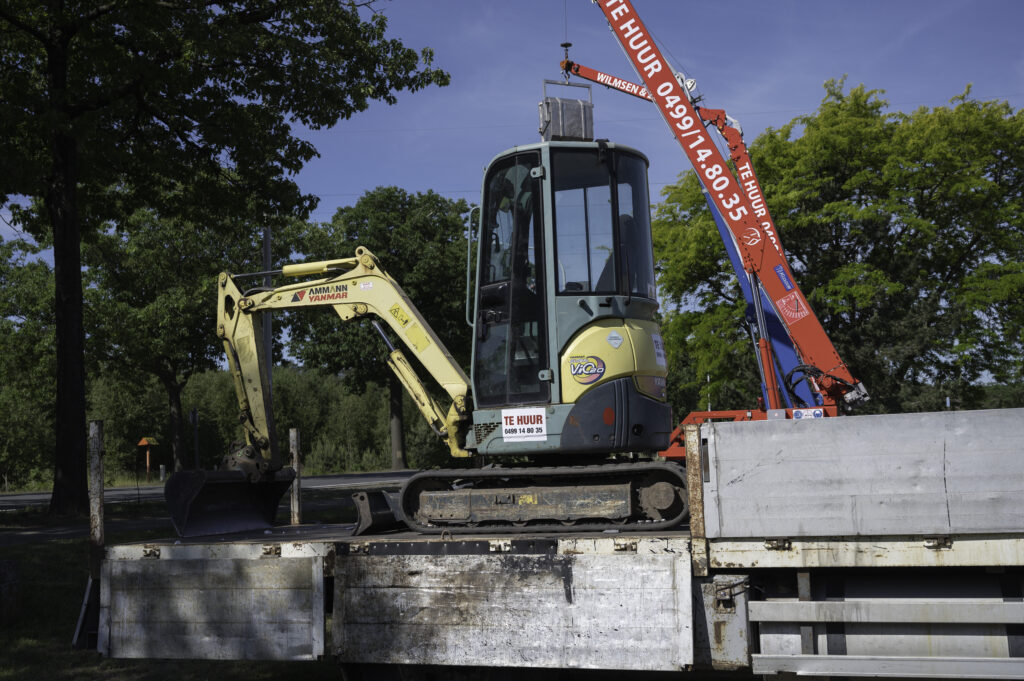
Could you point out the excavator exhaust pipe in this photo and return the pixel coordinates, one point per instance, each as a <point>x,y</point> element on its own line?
<point>221,502</point>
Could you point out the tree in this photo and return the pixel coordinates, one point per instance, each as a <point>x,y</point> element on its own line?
<point>420,239</point>
<point>904,230</point>
<point>125,98</point>
<point>26,364</point>
<point>131,406</point>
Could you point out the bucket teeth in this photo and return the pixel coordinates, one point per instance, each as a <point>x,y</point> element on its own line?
<point>376,512</point>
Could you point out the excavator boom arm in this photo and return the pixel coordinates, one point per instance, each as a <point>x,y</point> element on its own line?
<point>353,288</point>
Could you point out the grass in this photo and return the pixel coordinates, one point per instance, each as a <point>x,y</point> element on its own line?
<point>35,641</point>
<point>112,478</point>
<point>39,516</point>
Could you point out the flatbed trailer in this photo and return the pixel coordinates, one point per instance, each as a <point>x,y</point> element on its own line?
<point>863,546</point>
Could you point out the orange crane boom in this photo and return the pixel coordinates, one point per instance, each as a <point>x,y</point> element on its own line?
<point>759,249</point>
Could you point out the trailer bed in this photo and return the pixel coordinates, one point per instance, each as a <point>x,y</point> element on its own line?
<point>913,564</point>
<point>605,601</point>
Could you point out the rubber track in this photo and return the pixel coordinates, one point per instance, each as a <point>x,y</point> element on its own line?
<point>575,474</point>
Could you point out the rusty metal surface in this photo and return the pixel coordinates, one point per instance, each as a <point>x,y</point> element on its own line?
<point>694,480</point>
<point>695,460</point>
<point>721,630</point>
<point>587,602</point>
<point>640,474</point>
<point>514,504</point>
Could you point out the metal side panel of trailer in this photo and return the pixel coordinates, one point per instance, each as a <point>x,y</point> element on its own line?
<point>597,602</point>
<point>942,623</point>
<point>604,602</point>
<point>928,474</point>
<point>888,546</point>
<point>239,600</point>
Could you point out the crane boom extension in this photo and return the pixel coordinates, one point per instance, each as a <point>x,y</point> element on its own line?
<point>738,203</point>
<point>777,359</point>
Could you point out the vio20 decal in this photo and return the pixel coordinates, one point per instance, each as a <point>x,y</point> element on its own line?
<point>586,370</point>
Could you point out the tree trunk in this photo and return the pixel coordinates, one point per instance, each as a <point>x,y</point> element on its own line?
<point>70,494</point>
<point>174,388</point>
<point>395,393</point>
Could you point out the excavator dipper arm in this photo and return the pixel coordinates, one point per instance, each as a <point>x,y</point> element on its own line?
<point>239,495</point>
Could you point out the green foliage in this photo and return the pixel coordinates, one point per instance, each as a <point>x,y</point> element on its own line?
<point>130,410</point>
<point>27,367</point>
<point>339,431</point>
<point>156,92</point>
<point>212,395</point>
<point>904,230</point>
<point>420,241</point>
<point>151,298</point>
<point>106,109</point>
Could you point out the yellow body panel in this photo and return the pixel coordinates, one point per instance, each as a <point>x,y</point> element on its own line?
<point>609,349</point>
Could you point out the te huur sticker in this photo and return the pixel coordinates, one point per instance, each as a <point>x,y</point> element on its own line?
<point>524,425</point>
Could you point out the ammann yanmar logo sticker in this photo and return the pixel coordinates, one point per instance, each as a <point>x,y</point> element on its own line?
<point>322,294</point>
<point>586,370</point>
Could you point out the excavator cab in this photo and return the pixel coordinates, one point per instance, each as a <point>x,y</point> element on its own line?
<point>567,357</point>
<point>568,369</point>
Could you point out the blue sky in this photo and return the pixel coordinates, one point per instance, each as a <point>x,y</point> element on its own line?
<point>763,61</point>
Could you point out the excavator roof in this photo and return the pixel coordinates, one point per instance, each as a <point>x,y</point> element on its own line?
<point>564,144</point>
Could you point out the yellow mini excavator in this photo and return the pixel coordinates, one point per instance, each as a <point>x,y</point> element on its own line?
<point>568,367</point>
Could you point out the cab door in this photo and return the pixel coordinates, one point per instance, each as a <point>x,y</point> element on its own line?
<point>510,343</point>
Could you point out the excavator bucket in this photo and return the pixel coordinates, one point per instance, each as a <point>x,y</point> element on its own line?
<point>376,512</point>
<point>220,502</point>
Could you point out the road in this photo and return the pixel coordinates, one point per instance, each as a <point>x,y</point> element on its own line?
<point>155,492</point>
<point>327,492</point>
